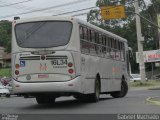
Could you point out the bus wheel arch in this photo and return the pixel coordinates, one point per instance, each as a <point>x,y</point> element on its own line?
<point>91,97</point>
<point>123,91</point>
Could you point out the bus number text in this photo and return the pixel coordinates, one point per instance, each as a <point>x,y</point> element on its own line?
<point>59,62</point>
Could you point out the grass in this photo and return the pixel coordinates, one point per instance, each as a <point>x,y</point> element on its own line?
<point>5,72</point>
<point>149,83</point>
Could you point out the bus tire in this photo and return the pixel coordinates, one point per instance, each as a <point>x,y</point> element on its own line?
<point>8,95</point>
<point>95,96</point>
<point>123,92</point>
<point>45,100</point>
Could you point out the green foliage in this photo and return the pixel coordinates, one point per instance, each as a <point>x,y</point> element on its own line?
<point>149,83</point>
<point>126,28</point>
<point>5,72</point>
<point>5,35</point>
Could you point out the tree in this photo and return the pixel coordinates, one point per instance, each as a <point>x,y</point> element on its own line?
<point>5,35</point>
<point>126,28</point>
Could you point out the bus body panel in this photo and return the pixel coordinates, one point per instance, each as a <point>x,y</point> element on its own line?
<point>73,85</point>
<point>110,78</point>
<point>53,67</point>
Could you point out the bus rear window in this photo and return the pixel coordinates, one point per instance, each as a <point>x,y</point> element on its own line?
<point>43,34</point>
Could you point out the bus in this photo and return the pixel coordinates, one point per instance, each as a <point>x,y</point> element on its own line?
<point>64,56</point>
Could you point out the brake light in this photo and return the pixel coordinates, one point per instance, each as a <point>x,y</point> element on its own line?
<point>70,64</point>
<point>17,72</point>
<point>70,71</point>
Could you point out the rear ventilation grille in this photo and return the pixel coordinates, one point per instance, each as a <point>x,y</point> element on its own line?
<point>51,57</point>
<point>48,57</point>
<point>30,58</point>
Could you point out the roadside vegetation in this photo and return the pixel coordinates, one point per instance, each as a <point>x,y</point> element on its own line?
<point>5,72</point>
<point>149,83</point>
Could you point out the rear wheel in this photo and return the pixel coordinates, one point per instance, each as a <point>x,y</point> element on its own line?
<point>45,100</point>
<point>95,96</point>
<point>8,95</point>
<point>123,92</point>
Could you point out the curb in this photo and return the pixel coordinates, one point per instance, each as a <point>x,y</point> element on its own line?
<point>151,100</point>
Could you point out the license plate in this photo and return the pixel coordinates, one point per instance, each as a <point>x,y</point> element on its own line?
<point>43,76</point>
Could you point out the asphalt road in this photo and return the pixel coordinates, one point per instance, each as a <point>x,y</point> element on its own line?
<point>134,102</point>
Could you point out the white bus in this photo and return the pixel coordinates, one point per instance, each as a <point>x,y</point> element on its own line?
<point>64,56</point>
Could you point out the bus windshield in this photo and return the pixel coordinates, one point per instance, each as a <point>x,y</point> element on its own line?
<point>43,34</point>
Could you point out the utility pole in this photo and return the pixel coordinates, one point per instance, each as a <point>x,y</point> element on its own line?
<point>140,41</point>
<point>158,20</point>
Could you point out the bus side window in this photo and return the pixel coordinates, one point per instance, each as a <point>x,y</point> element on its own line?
<point>118,53</point>
<point>100,39</point>
<point>122,50</point>
<point>107,41</point>
<point>89,35</point>
<point>104,40</point>
<point>92,44</point>
<point>81,32</point>
<point>84,44</point>
<point>85,31</point>
<point>108,54</point>
<point>103,45</point>
<point>93,36</point>
<point>119,47</point>
<point>123,47</point>
<point>100,45</point>
<point>96,37</point>
<point>96,42</point>
<point>112,52</point>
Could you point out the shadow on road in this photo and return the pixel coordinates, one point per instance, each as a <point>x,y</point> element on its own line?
<point>69,104</point>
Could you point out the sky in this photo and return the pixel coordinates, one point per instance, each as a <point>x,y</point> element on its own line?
<point>25,8</point>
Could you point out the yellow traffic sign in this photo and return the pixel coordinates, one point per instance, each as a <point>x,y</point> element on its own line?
<point>113,12</point>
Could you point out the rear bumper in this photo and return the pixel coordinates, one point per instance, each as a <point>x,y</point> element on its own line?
<point>71,86</point>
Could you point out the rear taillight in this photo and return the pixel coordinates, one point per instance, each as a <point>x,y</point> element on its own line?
<point>70,64</point>
<point>16,72</point>
<point>17,66</point>
<point>70,71</point>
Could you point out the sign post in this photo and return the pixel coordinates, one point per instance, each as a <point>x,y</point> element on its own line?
<point>140,41</point>
<point>158,20</point>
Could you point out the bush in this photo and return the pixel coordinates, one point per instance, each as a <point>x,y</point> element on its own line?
<point>5,72</point>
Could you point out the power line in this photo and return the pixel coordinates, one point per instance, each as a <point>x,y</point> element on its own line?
<point>70,8</point>
<point>15,3</point>
<point>17,6</point>
<point>80,14</point>
<point>44,9</point>
<point>48,8</point>
<point>74,11</point>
